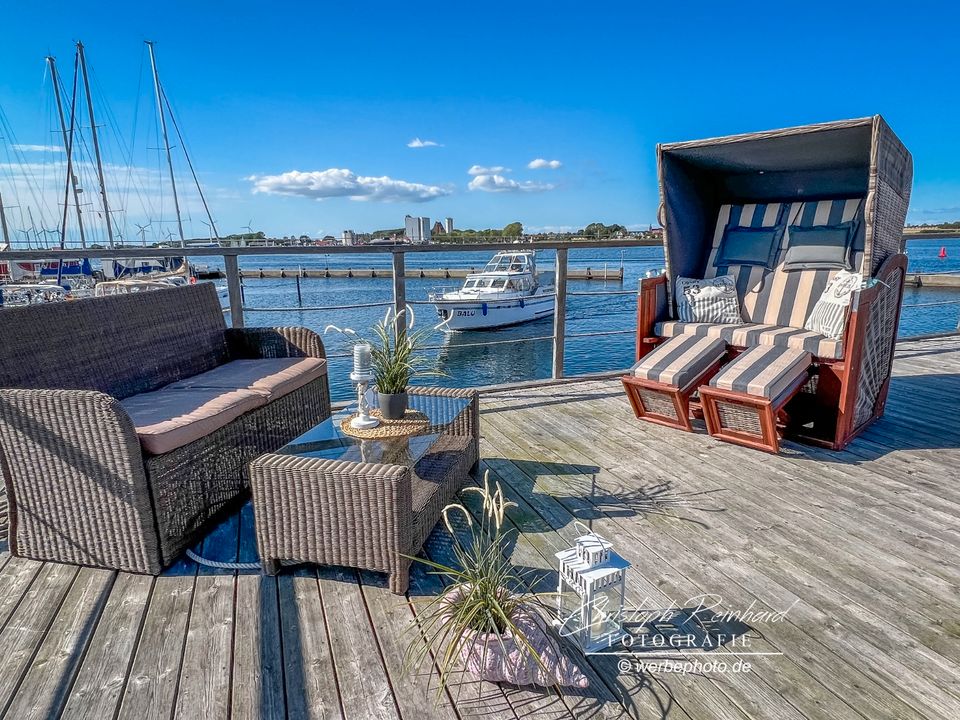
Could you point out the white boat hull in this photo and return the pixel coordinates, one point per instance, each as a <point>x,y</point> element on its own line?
<point>493,313</point>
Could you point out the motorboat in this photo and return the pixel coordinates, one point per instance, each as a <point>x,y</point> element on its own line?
<point>19,294</point>
<point>506,292</point>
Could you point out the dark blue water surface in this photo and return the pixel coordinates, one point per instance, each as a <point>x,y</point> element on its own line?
<point>521,357</point>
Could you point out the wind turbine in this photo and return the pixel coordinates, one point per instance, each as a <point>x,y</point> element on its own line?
<point>142,231</point>
<point>209,229</point>
<point>55,232</point>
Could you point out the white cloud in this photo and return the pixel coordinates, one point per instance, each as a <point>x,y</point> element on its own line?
<point>38,148</point>
<point>418,143</point>
<point>340,182</point>
<point>481,170</point>
<point>498,183</point>
<point>540,164</point>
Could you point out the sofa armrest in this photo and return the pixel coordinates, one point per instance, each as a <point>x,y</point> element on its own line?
<point>278,342</point>
<point>75,479</point>
<point>651,309</point>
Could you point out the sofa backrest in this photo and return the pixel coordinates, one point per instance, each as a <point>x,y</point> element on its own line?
<point>778,296</point>
<point>121,344</point>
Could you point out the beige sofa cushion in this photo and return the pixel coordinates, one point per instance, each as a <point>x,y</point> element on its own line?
<point>169,418</point>
<point>273,378</point>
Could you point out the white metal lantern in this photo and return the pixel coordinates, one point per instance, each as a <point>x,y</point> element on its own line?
<point>597,575</point>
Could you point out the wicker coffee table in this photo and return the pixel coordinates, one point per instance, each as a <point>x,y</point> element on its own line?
<point>332,499</point>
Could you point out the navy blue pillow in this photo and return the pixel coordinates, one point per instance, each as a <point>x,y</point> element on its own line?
<point>749,246</point>
<point>822,247</point>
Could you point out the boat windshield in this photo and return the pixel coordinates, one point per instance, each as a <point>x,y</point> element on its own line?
<point>485,283</point>
<point>508,262</point>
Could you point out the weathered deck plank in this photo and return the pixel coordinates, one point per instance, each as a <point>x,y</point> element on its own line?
<point>204,688</point>
<point>310,678</point>
<point>257,690</point>
<point>103,674</point>
<point>45,687</point>
<point>861,545</point>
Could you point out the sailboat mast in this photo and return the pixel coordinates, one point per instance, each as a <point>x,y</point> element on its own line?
<point>3,226</point>
<point>68,148</point>
<point>166,141</point>
<point>96,143</point>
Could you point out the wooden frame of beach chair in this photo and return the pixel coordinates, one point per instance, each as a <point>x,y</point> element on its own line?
<point>859,158</point>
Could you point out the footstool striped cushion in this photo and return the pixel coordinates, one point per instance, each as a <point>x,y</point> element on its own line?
<point>763,371</point>
<point>660,386</point>
<point>680,360</point>
<point>744,402</point>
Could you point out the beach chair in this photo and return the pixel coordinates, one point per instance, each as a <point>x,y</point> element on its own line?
<point>789,219</point>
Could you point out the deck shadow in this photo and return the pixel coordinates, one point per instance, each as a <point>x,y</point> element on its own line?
<point>585,499</point>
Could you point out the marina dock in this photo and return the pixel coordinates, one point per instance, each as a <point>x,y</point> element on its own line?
<point>854,545</point>
<point>933,280</point>
<point>614,274</point>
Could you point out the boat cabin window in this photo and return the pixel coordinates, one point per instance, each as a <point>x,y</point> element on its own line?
<point>507,263</point>
<point>472,283</point>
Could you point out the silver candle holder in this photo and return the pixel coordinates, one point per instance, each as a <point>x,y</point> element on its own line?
<point>362,375</point>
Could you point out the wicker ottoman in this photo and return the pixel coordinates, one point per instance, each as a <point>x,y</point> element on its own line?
<point>660,385</point>
<point>743,401</point>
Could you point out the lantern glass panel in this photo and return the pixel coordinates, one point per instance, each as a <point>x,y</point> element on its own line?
<point>605,627</point>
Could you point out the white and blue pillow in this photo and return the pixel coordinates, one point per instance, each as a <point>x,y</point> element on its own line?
<point>713,300</point>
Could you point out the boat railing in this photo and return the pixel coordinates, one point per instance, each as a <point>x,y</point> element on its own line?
<point>238,309</point>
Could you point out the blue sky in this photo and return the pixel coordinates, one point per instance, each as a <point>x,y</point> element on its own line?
<point>285,103</point>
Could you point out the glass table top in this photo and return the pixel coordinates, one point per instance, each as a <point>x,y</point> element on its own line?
<point>327,441</point>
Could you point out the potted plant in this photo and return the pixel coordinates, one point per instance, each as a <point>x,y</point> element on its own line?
<point>482,622</point>
<point>396,358</point>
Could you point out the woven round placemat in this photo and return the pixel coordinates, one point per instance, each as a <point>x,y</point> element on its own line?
<point>412,423</point>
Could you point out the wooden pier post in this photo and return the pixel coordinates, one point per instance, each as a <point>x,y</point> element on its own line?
<point>399,291</point>
<point>231,267</point>
<point>560,312</point>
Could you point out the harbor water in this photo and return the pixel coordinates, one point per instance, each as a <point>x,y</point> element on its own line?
<point>522,352</point>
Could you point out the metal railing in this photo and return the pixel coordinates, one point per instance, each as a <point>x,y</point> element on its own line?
<point>398,253</point>
<point>399,300</point>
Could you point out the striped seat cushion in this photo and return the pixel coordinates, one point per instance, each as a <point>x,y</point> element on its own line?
<point>763,371</point>
<point>758,334</point>
<point>780,296</point>
<point>681,360</point>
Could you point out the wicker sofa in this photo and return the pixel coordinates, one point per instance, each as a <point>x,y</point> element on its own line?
<point>127,422</point>
<point>854,171</point>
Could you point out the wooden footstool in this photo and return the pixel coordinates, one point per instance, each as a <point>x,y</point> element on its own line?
<point>742,402</point>
<point>660,385</point>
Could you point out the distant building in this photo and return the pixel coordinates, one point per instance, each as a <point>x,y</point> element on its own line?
<point>348,237</point>
<point>448,226</point>
<point>416,229</point>
<point>438,228</point>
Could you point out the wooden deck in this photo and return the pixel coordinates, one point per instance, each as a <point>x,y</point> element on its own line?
<point>861,546</point>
